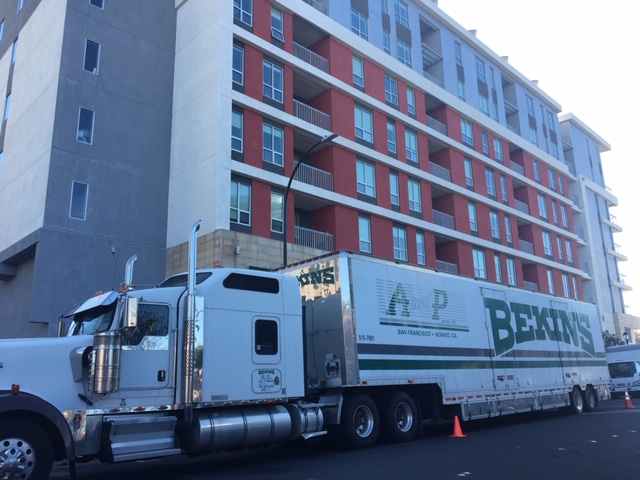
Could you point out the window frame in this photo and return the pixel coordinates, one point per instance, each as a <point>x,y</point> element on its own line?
<point>359,24</point>
<point>270,71</point>
<point>277,217</point>
<point>85,201</point>
<point>392,138</point>
<point>400,243</point>
<point>546,243</point>
<point>364,234</point>
<point>415,195</point>
<point>394,188</point>
<point>411,100</point>
<point>479,263</point>
<point>391,89</point>
<point>95,70</point>
<point>237,183</point>
<point>403,52</point>
<point>494,220</point>
<point>512,274</point>
<point>358,77</point>
<point>490,177</point>
<point>237,72</point>
<point>467,132</point>
<point>365,178</point>
<point>498,267</point>
<point>242,13</point>
<point>93,120</point>
<point>421,250</point>
<point>473,217</point>
<point>270,155</point>
<point>411,145</point>
<point>402,14</point>
<point>364,118</point>
<point>277,33</point>
<point>240,139</point>
<point>468,172</point>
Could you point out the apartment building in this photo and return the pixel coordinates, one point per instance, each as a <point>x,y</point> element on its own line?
<point>410,139</point>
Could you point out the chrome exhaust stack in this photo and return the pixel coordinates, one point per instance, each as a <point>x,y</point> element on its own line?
<point>189,326</point>
<point>128,275</point>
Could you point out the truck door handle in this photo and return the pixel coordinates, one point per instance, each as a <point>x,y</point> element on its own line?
<point>161,375</point>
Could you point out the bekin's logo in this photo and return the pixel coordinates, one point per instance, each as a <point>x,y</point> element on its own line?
<point>318,277</point>
<point>518,323</point>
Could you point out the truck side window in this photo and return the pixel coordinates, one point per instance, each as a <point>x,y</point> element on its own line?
<point>266,335</point>
<point>153,320</point>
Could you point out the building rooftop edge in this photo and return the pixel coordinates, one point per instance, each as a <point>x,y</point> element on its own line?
<point>570,117</point>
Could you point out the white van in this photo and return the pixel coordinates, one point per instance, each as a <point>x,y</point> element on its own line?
<point>624,368</point>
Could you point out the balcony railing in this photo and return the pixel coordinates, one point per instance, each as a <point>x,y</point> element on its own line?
<point>314,239</point>
<point>516,167</point>
<point>526,247</point>
<point>446,266</point>
<point>522,207</point>
<point>311,115</point>
<point>437,125</point>
<point>531,286</point>
<point>444,219</point>
<point>435,80</point>
<point>314,176</point>
<point>310,57</point>
<point>429,56</point>
<point>317,5</point>
<point>440,171</point>
<point>510,108</point>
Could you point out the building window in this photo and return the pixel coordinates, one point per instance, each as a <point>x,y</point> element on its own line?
<point>359,24</point>
<point>554,210</point>
<point>79,197</point>
<point>243,11</point>
<point>552,179</point>
<point>560,252</point>
<point>530,109</point>
<point>554,149</point>
<point>561,184</point>
<point>399,243</point>
<point>240,212</point>
<point>237,128</point>
<point>411,100</point>
<point>404,53</point>
<point>384,7</point>
<point>277,24</point>
<point>503,188</point>
<point>85,126</point>
<point>542,206</point>
<point>420,248</point>
<point>468,172</point>
<point>565,285</point>
<point>277,209</point>
<point>479,264</point>
<point>498,267</point>
<point>91,56</point>
<point>480,70</point>
<point>394,187</point>
<point>364,124</point>
<point>569,250</point>
<point>473,218</point>
<point>391,90</point>
<point>536,170</point>
<point>391,137</point>
<point>386,42</point>
<point>1,29</point>
<point>497,147</point>
<point>491,182</point>
<point>272,144</point>
<point>461,94</point>
<point>238,65</point>
<point>366,178</point>
<point>575,287</point>
<point>533,136</point>
<point>411,140</point>
<point>565,216</point>
<point>507,229</point>
<point>358,71</point>
<point>14,52</point>
<point>402,13</point>
<point>494,218</point>
<point>483,104</point>
<point>20,5</point>
<point>458,53</point>
<point>552,287</point>
<point>97,3</point>
<point>485,142</point>
<point>512,278</point>
<point>272,84</point>
<point>546,242</point>
<point>364,228</point>
<point>467,132</point>
<point>7,107</point>
<point>1,159</point>
<point>415,198</point>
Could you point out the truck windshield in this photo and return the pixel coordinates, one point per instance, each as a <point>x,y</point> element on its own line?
<point>622,369</point>
<point>88,322</point>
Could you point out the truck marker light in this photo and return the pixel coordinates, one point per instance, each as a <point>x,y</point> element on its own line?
<point>15,389</point>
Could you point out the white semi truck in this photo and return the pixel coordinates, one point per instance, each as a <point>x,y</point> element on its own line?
<point>344,344</point>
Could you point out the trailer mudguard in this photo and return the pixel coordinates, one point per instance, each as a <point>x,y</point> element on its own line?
<point>26,402</point>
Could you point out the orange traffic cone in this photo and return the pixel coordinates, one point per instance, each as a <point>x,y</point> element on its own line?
<point>457,431</point>
<point>627,400</point>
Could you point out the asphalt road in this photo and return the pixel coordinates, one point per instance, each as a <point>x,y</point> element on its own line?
<point>602,445</point>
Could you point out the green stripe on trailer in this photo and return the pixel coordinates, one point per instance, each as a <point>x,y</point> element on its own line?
<point>388,364</point>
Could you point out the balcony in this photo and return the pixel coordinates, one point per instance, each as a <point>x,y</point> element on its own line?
<point>448,267</point>
<point>314,239</point>
<point>444,220</point>
<point>516,167</point>
<point>437,126</point>
<point>532,286</point>
<point>440,171</point>
<point>433,79</point>
<point>521,206</point>
<point>509,108</point>
<point>310,57</point>
<point>311,115</point>
<point>314,176</point>
<point>429,56</point>
<point>318,5</point>
<point>526,247</point>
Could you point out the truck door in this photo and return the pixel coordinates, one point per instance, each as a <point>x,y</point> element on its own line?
<point>567,358</point>
<point>145,358</point>
<point>505,379</point>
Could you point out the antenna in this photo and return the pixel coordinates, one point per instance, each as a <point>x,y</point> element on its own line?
<point>116,270</point>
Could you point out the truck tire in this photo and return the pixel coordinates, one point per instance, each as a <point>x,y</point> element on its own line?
<point>360,425</point>
<point>576,401</point>
<point>590,400</point>
<point>401,418</point>
<point>25,450</point>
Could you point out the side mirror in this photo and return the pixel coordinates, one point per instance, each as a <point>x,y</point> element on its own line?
<point>131,313</point>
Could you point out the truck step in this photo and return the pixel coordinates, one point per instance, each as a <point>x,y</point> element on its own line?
<point>140,436</point>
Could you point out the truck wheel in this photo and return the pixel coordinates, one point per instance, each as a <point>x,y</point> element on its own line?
<point>25,451</point>
<point>590,400</point>
<point>360,424</point>
<point>577,403</point>
<point>402,418</point>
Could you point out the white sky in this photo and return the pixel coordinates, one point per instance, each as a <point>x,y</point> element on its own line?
<point>582,52</point>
